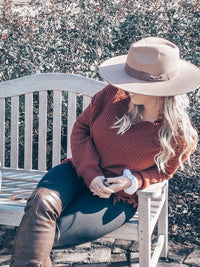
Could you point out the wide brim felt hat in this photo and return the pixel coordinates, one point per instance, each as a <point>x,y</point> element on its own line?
<point>152,67</point>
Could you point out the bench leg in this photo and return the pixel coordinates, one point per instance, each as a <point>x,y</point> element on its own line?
<point>144,233</point>
<point>163,224</point>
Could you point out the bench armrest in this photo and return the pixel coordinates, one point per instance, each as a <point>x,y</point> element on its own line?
<point>152,191</point>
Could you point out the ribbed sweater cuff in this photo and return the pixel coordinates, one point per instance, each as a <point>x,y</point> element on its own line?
<point>140,180</point>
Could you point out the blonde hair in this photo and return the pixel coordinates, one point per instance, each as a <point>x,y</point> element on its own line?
<point>176,123</point>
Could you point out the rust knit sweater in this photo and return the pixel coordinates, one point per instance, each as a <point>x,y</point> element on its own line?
<point>98,150</point>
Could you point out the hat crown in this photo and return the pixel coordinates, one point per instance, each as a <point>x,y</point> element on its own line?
<point>153,55</point>
<point>152,67</point>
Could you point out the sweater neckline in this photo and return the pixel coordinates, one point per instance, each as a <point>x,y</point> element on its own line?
<point>157,121</point>
<point>149,124</point>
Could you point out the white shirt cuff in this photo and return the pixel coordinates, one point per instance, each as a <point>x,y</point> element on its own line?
<point>134,186</point>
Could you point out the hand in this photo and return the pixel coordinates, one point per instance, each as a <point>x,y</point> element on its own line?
<point>97,187</point>
<point>118,183</point>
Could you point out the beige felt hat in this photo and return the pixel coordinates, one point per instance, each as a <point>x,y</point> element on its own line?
<point>152,67</point>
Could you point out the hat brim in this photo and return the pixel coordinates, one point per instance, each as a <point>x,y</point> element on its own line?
<point>186,80</point>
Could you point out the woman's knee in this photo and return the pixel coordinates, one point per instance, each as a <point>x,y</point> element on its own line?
<point>45,202</point>
<point>64,180</point>
<point>59,177</point>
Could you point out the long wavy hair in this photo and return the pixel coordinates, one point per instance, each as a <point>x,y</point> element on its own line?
<point>176,123</point>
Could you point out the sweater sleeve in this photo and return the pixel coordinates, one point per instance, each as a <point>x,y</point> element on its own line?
<point>152,175</point>
<point>85,157</point>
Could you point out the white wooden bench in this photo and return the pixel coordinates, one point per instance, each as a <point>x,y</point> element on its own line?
<point>44,97</point>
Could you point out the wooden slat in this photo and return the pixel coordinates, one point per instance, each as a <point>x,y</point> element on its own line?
<point>11,214</point>
<point>25,179</point>
<point>156,215</point>
<point>19,184</point>
<point>163,223</point>
<point>14,131</point>
<point>15,182</point>
<point>56,128</point>
<point>86,101</point>
<point>42,131</point>
<point>28,131</point>
<point>71,119</point>
<point>50,81</point>
<point>144,231</point>
<point>2,131</point>
<point>10,191</point>
<point>157,250</point>
<point>6,200</point>
<point>9,171</point>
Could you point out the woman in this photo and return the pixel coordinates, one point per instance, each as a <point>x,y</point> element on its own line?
<point>134,133</point>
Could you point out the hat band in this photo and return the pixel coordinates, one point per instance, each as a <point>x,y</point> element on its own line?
<point>145,76</point>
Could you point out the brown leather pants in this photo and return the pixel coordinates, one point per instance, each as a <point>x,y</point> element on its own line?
<point>32,248</point>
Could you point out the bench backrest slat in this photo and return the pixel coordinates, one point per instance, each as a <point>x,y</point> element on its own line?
<point>86,101</point>
<point>28,138</point>
<point>2,131</point>
<point>71,119</point>
<point>57,127</point>
<point>14,131</point>
<point>42,131</point>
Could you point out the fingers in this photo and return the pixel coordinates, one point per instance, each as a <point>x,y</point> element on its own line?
<point>101,188</point>
<point>104,187</point>
<point>98,188</point>
<point>98,192</point>
<point>118,183</point>
<point>112,180</point>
